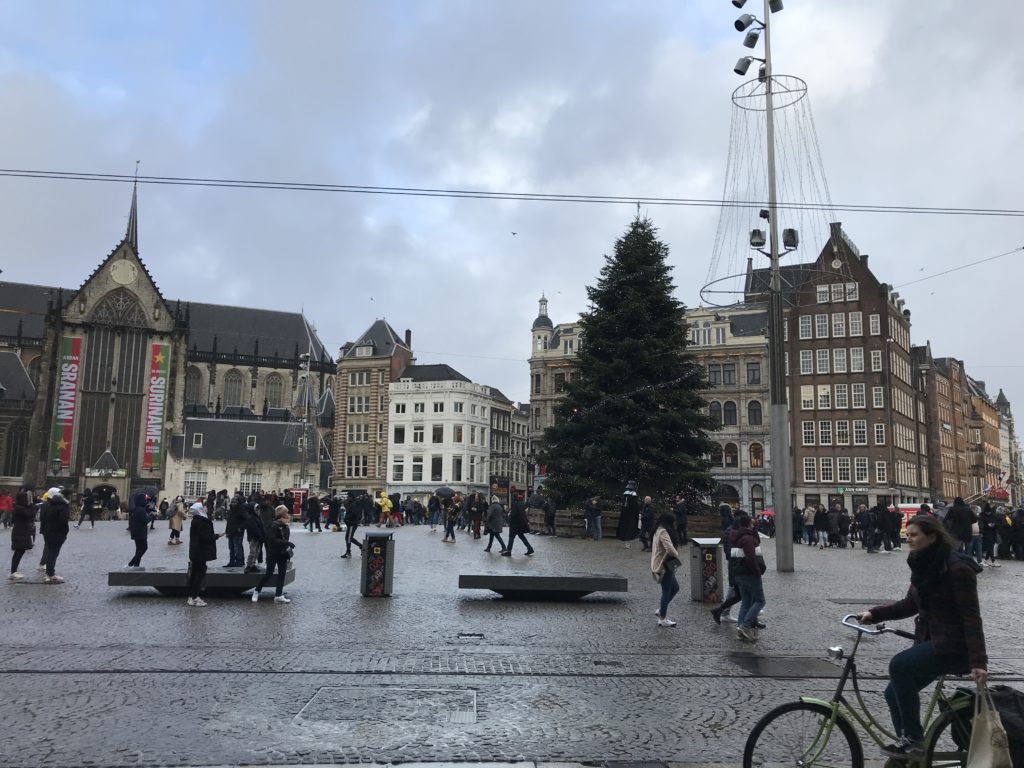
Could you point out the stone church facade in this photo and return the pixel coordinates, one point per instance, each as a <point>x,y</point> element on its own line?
<point>113,373</point>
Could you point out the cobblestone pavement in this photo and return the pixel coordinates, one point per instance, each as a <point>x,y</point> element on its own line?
<point>101,676</point>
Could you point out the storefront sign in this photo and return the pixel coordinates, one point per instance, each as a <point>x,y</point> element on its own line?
<point>156,401</point>
<point>66,408</point>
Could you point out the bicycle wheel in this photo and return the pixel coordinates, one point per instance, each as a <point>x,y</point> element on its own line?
<point>950,740</point>
<point>797,734</point>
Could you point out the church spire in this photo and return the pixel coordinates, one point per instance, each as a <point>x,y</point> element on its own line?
<point>132,235</point>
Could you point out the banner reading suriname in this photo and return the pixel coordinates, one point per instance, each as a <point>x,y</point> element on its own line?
<point>156,400</point>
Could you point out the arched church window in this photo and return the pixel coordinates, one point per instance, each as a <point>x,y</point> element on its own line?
<point>232,389</point>
<point>193,379</point>
<point>275,389</point>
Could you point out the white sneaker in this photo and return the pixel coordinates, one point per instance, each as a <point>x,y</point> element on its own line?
<point>281,599</point>
<point>199,603</point>
<point>190,601</point>
<point>54,579</point>
<point>255,596</point>
<point>996,565</point>
<point>16,576</point>
<point>727,617</point>
<point>41,569</point>
<point>666,623</point>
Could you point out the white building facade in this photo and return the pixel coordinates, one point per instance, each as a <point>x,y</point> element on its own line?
<point>439,432</point>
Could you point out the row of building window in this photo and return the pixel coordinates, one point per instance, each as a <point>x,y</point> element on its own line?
<point>843,469</point>
<point>837,292</point>
<point>838,325</point>
<point>729,456</point>
<point>826,397</point>
<point>821,432</point>
<point>835,360</point>
<point>233,388</point>
<point>726,414</point>
<point>196,483</point>
<point>724,374</point>
<point>473,467</point>
<point>197,441</point>
<point>438,407</point>
<point>418,434</point>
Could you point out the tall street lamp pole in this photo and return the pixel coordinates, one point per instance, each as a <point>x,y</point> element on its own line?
<point>779,419</point>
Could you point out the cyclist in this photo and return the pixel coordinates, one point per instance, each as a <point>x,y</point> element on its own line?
<point>943,595</point>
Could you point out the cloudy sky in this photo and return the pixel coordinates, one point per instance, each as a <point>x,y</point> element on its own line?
<point>915,104</point>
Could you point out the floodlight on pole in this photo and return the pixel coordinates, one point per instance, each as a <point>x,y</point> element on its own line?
<point>743,65</point>
<point>757,238</point>
<point>750,41</point>
<point>773,5</point>
<point>739,3</point>
<point>744,21</point>
<point>790,239</point>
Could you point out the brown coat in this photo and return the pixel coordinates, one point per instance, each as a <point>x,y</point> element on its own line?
<point>952,618</point>
<point>177,519</point>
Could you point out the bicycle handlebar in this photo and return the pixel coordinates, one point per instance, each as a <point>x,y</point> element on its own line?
<point>880,629</point>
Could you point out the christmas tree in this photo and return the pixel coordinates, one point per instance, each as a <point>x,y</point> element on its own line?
<point>633,409</point>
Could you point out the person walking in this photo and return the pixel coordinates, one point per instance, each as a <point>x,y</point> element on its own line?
<point>821,526</point>
<point>988,521</point>
<point>959,521</point>
<point>518,526</point>
<point>279,552</point>
<point>592,514</point>
<point>54,525</point>
<point>23,525</point>
<point>663,552</point>
<point>450,509</point>
<point>87,509</point>
<point>113,506</point>
<point>433,512</point>
<point>646,525</point>
<point>6,508</point>
<point>314,512</point>
<point>808,520</point>
<point>494,521</point>
<point>256,535</point>
<point>476,513</point>
<point>949,636</point>
<point>629,515</point>
<point>202,548</point>
<point>176,520</point>
<point>746,567</point>
<point>138,527</point>
<point>353,517</point>
<point>235,532</point>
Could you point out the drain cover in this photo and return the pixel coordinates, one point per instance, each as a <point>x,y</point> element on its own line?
<point>762,666</point>
<point>437,706</point>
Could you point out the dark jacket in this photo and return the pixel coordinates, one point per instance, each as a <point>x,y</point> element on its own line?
<point>236,518</point>
<point>744,544</point>
<point>947,613</point>
<point>628,526</point>
<point>278,544</point>
<point>647,518</point>
<point>266,513</point>
<point>254,529</point>
<point>959,520</point>
<point>494,519</point>
<point>988,521</point>
<point>138,518</point>
<point>54,516</point>
<point>202,541</point>
<point>518,519</point>
<point>354,512</point>
<point>725,517</point>
<point>24,523</point>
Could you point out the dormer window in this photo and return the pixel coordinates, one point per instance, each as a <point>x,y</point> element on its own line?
<point>364,350</point>
<point>250,442</point>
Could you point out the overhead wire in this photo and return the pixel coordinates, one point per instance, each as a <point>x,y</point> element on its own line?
<point>502,195</point>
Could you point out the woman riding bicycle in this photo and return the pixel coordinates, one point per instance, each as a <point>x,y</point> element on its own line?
<point>949,636</point>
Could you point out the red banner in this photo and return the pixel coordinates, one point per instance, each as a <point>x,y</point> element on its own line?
<point>156,400</point>
<point>66,406</point>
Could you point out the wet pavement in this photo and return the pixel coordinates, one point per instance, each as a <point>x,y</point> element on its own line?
<point>101,676</point>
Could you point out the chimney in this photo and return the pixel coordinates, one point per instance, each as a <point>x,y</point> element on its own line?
<point>408,338</point>
<point>864,259</point>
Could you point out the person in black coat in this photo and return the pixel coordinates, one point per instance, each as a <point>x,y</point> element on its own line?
<point>202,548</point>
<point>87,504</point>
<point>629,515</point>
<point>646,524</point>
<point>353,517</point>
<point>23,529</point>
<point>235,532</point>
<point>959,521</point>
<point>256,533</point>
<point>279,552</point>
<point>54,524</point>
<point>518,525</point>
<point>138,527</point>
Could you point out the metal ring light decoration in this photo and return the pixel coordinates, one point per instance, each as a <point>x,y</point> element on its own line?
<point>787,90</point>
<point>808,273</point>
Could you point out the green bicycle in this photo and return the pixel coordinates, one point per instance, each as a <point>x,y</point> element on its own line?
<point>816,732</point>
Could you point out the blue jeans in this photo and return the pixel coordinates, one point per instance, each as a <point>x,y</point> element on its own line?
<point>910,672</point>
<point>751,599</point>
<point>236,551</point>
<point>595,527</point>
<point>669,589</point>
<point>976,547</point>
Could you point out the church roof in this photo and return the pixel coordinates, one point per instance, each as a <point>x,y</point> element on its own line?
<point>226,439</point>
<point>26,304</point>
<point>1001,398</point>
<point>437,372</point>
<point>239,328</point>
<point>382,337</point>
<point>16,383</point>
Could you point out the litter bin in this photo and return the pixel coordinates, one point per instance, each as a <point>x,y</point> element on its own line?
<point>378,564</point>
<point>707,570</point>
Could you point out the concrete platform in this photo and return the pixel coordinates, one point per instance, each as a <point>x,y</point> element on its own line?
<point>527,587</point>
<point>221,582</point>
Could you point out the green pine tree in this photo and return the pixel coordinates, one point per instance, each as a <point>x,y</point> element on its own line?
<point>633,410</point>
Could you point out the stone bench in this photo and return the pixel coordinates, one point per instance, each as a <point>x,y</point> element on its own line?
<point>528,587</point>
<point>220,582</point>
